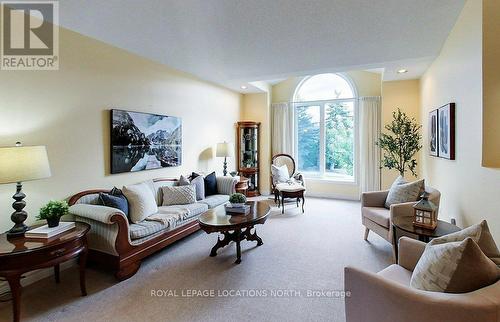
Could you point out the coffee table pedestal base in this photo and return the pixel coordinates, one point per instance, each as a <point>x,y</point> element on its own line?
<point>237,236</point>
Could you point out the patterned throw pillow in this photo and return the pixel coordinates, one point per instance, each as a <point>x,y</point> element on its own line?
<point>178,195</point>
<point>480,233</point>
<point>454,267</point>
<point>401,191</point>
<point>141,201</point>
<point>280,174</point>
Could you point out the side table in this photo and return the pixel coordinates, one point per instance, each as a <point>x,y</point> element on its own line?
<point>405,223</point>
<point>242,185</point>
<point>20,255</point>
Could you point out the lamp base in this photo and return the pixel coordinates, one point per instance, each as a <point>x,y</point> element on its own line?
<point>224,172</point>
<point>19,215</point>
<point>17,231</point>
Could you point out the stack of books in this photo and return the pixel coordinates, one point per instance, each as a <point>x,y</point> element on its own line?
<point>46,232</point>
<point>237,210</point>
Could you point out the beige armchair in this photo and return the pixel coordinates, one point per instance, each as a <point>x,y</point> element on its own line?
<point>377,218</point>
<point>387,295</point>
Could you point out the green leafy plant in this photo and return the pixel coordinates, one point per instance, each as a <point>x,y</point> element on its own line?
<point>401,143</point>
<point>53,209</point>
<point>237,198</point>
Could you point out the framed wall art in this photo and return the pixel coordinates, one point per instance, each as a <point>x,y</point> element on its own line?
<point>144,141</point>
<point>446,131</point>
<point>433,133</point>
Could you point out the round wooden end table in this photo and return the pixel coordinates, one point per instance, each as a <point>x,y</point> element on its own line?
<point>234,227</point>
<point>242,185</point>
<point>405,223</point>
<point>20,255</point>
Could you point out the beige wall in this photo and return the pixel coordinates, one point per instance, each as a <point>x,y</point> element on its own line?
<point>367,84</point>
<point>67,110</point>
<point>256,107</point>
<point>491,83</point>
<point>470,192</point>
<point>406,96</point>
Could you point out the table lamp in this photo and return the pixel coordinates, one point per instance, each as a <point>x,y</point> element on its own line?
<point>19,164</point>
<point>224,150</point>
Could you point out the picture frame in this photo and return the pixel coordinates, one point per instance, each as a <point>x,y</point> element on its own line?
<point>446,131</point>
<point>433,133</point>
<point>144,141</point>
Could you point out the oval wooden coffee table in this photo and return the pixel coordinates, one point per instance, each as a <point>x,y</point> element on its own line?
<point>234,227</point>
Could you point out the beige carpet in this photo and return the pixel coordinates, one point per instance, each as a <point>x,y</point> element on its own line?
<point>301,253</point>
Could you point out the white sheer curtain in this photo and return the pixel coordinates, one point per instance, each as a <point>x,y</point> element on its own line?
<point>369,125</point>
<point>282,138</point>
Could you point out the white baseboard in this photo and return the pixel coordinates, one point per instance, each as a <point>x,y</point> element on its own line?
<point>35,276</point>
<point>331,196</point>
<point>326,195</point>
<point>265,192</point>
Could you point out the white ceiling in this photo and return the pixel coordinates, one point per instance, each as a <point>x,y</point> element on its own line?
<point>234,42</point>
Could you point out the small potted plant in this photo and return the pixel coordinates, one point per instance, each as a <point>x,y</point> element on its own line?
<point>237,200</point>
<point>53,211</point>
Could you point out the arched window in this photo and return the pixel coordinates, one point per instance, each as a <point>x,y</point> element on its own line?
<point>325,127</point>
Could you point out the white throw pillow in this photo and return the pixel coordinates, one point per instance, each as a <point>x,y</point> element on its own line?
<point>141,201</point>
<point>280,174</point>
<point>179,195</point>
<point>481,234</point>
<point>454,267</point>
<point>401,191</point>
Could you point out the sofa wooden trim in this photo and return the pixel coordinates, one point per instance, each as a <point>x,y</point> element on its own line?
<point>129,258</point>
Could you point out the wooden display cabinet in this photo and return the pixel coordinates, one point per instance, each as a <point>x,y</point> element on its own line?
<point>248,154</point>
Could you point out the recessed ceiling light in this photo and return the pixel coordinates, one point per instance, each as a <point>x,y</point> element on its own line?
<point>243,87</point>
<point>402,71</point>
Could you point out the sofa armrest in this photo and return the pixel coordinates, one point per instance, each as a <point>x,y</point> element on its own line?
<point>102,214</point>
<point>376,299</point>
<point>404,209</point>
<point>374,198</point>
<point>226,185</point>
<point>409,252</point>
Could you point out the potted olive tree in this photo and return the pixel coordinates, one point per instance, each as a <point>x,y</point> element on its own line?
<point>53,211</point>
<point>400,143</point>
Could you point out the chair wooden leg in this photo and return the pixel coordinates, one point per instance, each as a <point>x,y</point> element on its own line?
<point>367,231</point>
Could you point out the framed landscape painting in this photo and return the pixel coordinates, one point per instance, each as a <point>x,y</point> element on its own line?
<point>446,131</point>
<point>143,141</point>
<point>433,133</point>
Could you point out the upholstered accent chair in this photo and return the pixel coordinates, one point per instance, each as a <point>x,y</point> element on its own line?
<point>387,295</point>
<point>375,217</point>
<point>293,187</point>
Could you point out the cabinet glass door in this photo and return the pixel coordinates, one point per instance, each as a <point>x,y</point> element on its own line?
<point>248,148</point>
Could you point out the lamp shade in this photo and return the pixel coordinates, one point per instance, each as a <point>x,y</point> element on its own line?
<point>23,163</point>
<point>224,149</point>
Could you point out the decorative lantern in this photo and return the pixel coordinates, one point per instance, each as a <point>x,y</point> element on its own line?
<point>425,213</point>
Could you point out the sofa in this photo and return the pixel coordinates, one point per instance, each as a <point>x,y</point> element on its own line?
<point>375,217</point>
<point>387,295</point>
<point>120,245</point>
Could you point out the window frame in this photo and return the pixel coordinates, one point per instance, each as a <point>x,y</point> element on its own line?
<point>323,175</point>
